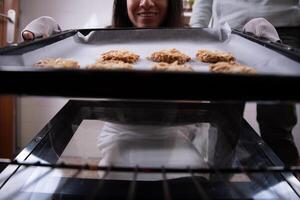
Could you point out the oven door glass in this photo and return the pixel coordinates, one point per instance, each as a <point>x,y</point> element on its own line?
<point>147,150</point>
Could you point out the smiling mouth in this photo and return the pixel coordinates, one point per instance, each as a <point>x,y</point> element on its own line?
<point>147,14</point>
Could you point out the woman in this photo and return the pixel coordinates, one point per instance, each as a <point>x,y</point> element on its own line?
<point>141,14</point>
<point>147,13</point>
<point>144,145</point>
<point>126,13</point>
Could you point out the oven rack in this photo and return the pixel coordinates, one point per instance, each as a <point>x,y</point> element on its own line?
<point>137,169</point>
<point>132,189</point>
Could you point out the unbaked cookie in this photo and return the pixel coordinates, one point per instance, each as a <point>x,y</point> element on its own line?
<point>169,56</point>
<point>58,63</point>
<point>111,65</point>
<point>214,56</point>
<point>120,55</point>
<point>171,67</point>
<point>225,67</point>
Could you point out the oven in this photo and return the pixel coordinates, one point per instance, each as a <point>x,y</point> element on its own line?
<point>144,134</point>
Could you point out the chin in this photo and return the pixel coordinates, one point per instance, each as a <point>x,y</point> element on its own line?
<point>148,26</point>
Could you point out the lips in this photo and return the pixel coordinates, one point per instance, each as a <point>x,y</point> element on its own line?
<point>147,14</point>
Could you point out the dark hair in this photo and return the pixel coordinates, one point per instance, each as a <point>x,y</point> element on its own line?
<point>173,15</point>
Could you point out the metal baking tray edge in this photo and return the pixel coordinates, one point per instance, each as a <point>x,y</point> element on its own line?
<point>142,84</point>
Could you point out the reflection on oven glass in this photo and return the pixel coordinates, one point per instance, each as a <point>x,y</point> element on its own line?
<point>149,140</point>
<point>137,145</point>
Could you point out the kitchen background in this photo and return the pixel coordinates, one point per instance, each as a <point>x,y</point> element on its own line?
<point>34,112</point>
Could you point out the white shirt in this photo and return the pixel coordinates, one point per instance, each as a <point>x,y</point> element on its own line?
<point>149,146</point>
<point>281,13</point>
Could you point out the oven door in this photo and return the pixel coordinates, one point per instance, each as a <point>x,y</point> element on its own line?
<point>147,150</point>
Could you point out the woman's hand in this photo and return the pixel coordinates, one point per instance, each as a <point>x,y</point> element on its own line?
<point>40,27</point>
<point>260,27</point>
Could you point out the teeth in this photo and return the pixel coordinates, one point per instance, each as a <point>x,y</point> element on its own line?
<point>147,14</point>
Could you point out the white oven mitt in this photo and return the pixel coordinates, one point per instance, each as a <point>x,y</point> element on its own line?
<point>41,27</point>
<point>260,27</point>
<point>223,31</point>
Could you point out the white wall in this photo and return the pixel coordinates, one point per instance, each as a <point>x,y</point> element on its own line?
<point>34,113</point>
<point>70,14</point>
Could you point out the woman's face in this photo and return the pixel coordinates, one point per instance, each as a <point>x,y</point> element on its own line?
<point>147,13</point>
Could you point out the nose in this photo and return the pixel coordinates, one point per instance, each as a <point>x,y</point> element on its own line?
<point>146,4</point>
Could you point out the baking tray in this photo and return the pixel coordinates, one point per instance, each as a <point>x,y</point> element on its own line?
<point>277,70</point>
